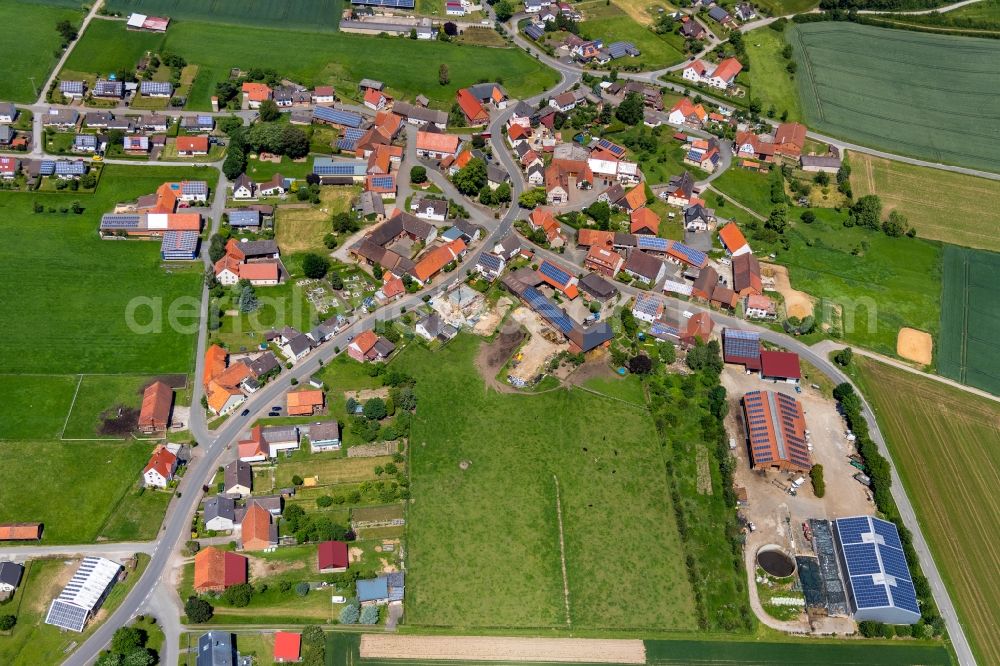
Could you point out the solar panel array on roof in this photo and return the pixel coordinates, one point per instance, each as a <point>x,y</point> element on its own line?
<point>740,344</point>
<point>338,117</point>
<point>179,245</point>
<point>383,182</point>
<point>534,32</point>
<point>395,4</point>
<point>66,168</point>
<point>546,309</point>
<point>689,254</point>
<point>349,139</point>
<point>647,305</point>
<point>47,168</point>
<point>66,616</point>
<point>120,221</point>
<point>83,594</point>
<point>85,141</point>
<point>662,330</point>
<point>622,49</point>
<point>555,273</point>
<point>156,88</point>
<point>342,168</point>
<point>877,574</point>
<point>194,188</point>
<point>244,218</point>
<point>647,242</point>
<point>613,148</point>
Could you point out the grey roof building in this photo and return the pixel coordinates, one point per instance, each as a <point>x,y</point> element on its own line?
<point>597,287</point>
<point>216,648</point>
<point>237,474</point>
<point>10,575</point>
<point>220,507</point>
<point>263,364</point>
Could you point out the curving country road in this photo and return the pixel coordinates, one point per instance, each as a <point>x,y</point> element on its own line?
<point>155,591</point>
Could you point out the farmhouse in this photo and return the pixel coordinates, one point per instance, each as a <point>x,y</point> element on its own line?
<point>369,346</point>
<point>746,274</point>
<point>237,478</point>
<point>733,240</point>
<point>721,76</point>
<point>108,89</point>
<point>597,288</point>
<point>305,403</point>
<point>215,570</point>
<point>644,221</point>
<point>154,415</point>
<point>647,308</point>
<point>644,266</point>
<point>84,593</point>
<point>815,163</point>
<point>219,513</point>
<point>759,307</point>
<point>10,577</point>
<point>437,259</point>
<point>562,176</point>
<point>221,382</point>
<point>192,145</point>
<point>741,348</point>
<point>159,471</point>
<point>257,531</point>
<point>685,112</point>
<point>679,191</point>
<point>604,261</point>
<point>780,366</point>
<point>776,430</point>
<point>256,93</point>
<point>708,287</point>
<point>437,146</point>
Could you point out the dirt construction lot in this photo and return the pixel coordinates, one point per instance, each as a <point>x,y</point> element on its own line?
<point>488,648</point>
<point>797,303</point>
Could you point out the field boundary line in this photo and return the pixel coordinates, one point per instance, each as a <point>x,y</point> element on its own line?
<point>610,397</point>
<point>963,367</point>
<point>562,552</point>
<point>72,404</point>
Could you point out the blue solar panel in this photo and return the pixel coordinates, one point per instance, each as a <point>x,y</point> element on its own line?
<point>904,596</point>
<point>112,221</point>
<point>534,32</point>
<point>861,558</point>
<point>382,182</point>
<point>647,304</point>
<point>894,563</point>
<point>546,309</point>
<point>554,272</point>
<point>695,155</point>
<point>888,533</point>
<point>647,242</point>
<point>661,330</point>
<point>867,594</point>
<point>338,117</point>
<point>613,148</point>
<point>47,168</point>
<point>397,4</point>
<point>850,529</point>
<point>741,344</point>
<point>689,254</point>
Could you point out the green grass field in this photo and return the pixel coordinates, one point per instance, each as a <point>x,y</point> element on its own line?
<point>768,79</point>
<point>37,40</point>
<point>92,481</point>
<point>35,406</point>
<point>484,542</point>
<point>784,7</point>
<point>946,445</point>
<point>968,350</point>
<point>610,23</point>
<point>927,96</point>
<point>967,216</point>
<point>68,313</point>
<point>408,68</point>
<point>309,15</point>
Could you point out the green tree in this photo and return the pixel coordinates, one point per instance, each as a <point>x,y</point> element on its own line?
<point>128,639</point>
<point>238,595</point>
<point>808,216</point>
<point>350,614</point>
<point>471,178</point>
<point>600,211</point>
<point>629,324</point>
<point>369,614</point>
<point>444,76</point>
<point>235,163</point>
<point>336,282</point>
<point>819,485</point>
<point>777,220</point>
<point>198,610</point>
<point>503,193</point>
<point>418,175</point>
<point>867,211</point>
<point>630,111</point>
<point>296,480</point>
<point>216,248</point>
<point>668,353</point>
<point>66,31</point>
<point>504,10</point>
<point>269,111</point>
<point>344,223</point>
<point>315,266</point>
<point>375,409</point>
<point>248,298</point>
<point>88,181</point>
<point>844,357</point>
<point>895,225</point>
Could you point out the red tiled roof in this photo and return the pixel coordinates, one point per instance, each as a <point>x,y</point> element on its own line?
<point>437,259</point>
<point>437,142</point>
<point>162,461</point>
<point>471,107</point>
<point>256,528</point>
<point>215,362</point>
<point>287,644</point>
<point>332,555</point>
<point>192,144</point>
<point>643,219</point>
<point>728,69</point>
<point>595,237</point>
<point>263,270</point>
<point>215,570</point>
<point>636,197</point>
<point>732,237</point>
<point>365,341</point>
<point>155,410</point>
<point>20,531</point>
<point>256,92</point>
<point>780,364</point>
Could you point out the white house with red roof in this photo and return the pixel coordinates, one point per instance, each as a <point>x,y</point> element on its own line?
<point>721,76</point>
<point>159,471</point>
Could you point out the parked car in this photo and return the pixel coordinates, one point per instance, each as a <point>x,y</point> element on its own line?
<point>245,412</point>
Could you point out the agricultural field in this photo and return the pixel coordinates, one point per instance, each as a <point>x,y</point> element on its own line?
<point>343,649</point>
<point>303,229</point>
<point>96,480</point>
<point>466,526</point>
<point>610,23</point>
<point>309,15</point>
<point>37,42</point>
<point>768,79</point>
<point>968,216</point>
<point>953,494</point>
<point>927,96</point>
<point>408,68</point>
<point>968,350</point>
<point>782,7</point>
